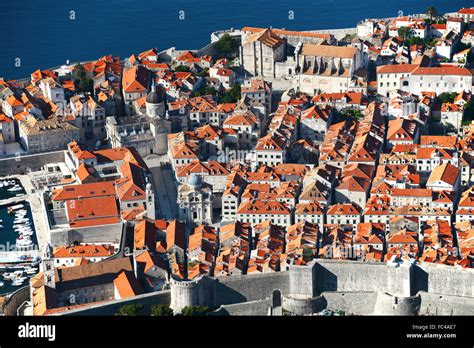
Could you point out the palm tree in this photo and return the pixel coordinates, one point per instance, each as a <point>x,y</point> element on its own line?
<point>431,12</point>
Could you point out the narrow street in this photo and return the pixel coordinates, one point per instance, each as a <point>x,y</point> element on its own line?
<point>164,187</point>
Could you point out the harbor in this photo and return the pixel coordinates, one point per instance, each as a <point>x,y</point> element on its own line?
<point>20,233</point>
<point>15,276</point>
<point>10,188</point>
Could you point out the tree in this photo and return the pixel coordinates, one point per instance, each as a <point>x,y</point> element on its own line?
<point>81,81</point>
<point>415,40</point>
<point>432,13</point>
<point>447,97</point>
<point>468,113</point>
<point>226,44</point>
<point>196,311</point>
<point>403,32</point>
<point>161,310</point>
<point>183,68</point>
<point>130,310</point>
<point>231,95</point>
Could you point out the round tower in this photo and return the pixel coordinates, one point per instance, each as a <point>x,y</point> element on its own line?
<point>186,293</point>
<point>156,102</point>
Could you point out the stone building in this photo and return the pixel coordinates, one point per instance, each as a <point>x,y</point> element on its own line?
<point>46,135</point>
<point>260,51</point>
<point>326,68</point>
<point>195,201</point>
<point>147,133</point>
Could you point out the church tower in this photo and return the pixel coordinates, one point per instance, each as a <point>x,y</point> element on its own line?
<point>48,268</point>
<point>156,102</point>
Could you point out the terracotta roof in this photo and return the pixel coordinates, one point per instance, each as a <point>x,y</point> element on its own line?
<point>290,33</point>
<point>446,141</point>
<point>344,209</point>
<point>396,69</point>
<point>145,235</point>
<point>266,36</point>
<point>92,211</point>
<point>127,285</point>
<point>446,173</point>
<point>98,189</point>
<point>136,79</point>
<point>328,51</point>
<point>442,71</point>
<point>84,251</point>
<point>103,272</point>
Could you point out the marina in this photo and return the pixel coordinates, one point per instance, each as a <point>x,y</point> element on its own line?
<point>12,277</point>
<point>10,188</point>
<point>17,231</point>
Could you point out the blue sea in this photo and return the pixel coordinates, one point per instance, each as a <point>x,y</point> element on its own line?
<point>46,33</point>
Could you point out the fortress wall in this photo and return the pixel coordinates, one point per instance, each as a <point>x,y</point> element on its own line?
<point>435,304</point>
<point>387,304</point>
<point>353,276</point>
<point>358,303</point>
<point>304,306</point>
<point>111,307</point>
<point>20,164</point>
<point>250,287</point>
<point>96,234</point>
<point>338,33</point>
<point>259,307</point>
<point>443,279</point>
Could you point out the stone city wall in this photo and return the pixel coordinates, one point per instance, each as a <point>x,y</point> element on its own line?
<point>435,304</point>
<point>357,303</point>
<point>353,287</point>
<point>21,163</point>
<point>111,307</point>
<point>259,307</point>
<point>96,234</point>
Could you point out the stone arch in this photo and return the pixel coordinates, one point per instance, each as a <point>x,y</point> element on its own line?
<point>276,298</point>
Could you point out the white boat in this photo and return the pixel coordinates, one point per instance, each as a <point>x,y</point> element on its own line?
<point>14,189</point>
<point>12,209</point>
<point>2,284</point>
<point>17,282</point>
<point>26,233</point>
<point>23,242</point>
<point>31,271</point>
<point>13,275</point>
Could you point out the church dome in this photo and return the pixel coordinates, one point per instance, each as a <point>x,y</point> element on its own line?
<point>156,95</point>
<point>195,180</point>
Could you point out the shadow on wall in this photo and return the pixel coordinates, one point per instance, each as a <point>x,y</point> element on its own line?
<point>420,280</point>
<point>226,295</point>
<point>325,279</point>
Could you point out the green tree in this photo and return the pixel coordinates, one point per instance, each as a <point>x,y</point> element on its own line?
<point>232,95</point>
<point>196,311</point>
<point>130,310</point>
<point>161,310</point>
<point>183,68</point>
<point>226,44</point>
<point>447,97</point>
<point>432,13</point>
<point>403,32</point>
<point>81,81</point>
<point>468,115</point>
<point>415,40</point>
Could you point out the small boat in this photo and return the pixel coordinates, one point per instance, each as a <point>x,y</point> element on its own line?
<point>12,209</point>
<point>17,282</point>
<point>2,284</point>
<point>23,242</point>
<point>31,271</point>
